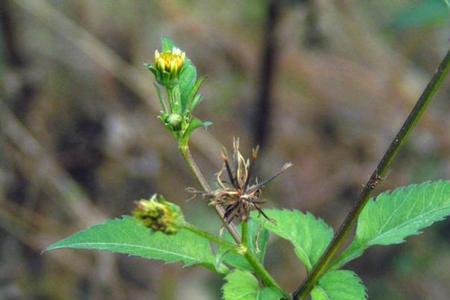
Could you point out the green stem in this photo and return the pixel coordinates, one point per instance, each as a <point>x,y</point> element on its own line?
<point>261,271</point>
<point>244,233</point>
<point>211,237</point>
<point>173,93</point>
<point>380,171</point>
<point>184,149</point>
<point>170,99</point>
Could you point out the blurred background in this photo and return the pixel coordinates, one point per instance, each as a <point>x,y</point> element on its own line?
<point>324,84</point>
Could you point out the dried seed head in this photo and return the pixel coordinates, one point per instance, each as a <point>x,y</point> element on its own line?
<point>237,194</point>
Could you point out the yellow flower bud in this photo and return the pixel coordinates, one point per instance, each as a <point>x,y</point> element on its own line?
<point>170,62</point>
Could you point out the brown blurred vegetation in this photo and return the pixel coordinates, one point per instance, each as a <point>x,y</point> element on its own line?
<point>324,84</point>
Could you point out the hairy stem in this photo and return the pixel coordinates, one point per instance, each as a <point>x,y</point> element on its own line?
<point>205,186</point>
<point>380,171</point>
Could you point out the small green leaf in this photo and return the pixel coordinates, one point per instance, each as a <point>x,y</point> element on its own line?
<point>193,125</point>
<point>339,285</point>
<point>242,285</point>
<point>394,216</point>
<point>310,236</point>
<point>167,44</point>
<point>193,94</point>
<point>188,79</point>
<point>197,99</point>
<point>128,236</point>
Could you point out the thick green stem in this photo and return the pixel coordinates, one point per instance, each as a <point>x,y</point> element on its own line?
<point>205,186</point>
<point>380,171</point>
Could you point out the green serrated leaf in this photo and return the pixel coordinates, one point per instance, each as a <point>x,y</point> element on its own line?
<point>394,216</point>
<point>310,236</point>
<point>339,285</point>
<point>167,44</point>
<point>126,235</point>
<point>269,294</point>
<point>242,285</point>
<point>318,293</point>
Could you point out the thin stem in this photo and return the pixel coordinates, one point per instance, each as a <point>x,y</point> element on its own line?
<point>211,237</point>
<point>205,186</point>
<point>261,271</point>
<point>266,278</point>
<point>244,233</point>
<point>170,100</point>
<point>380,171</point>
<point>253,261</point>
<point>194,168</point>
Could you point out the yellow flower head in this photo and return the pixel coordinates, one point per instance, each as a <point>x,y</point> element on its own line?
<point>170,62</point>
